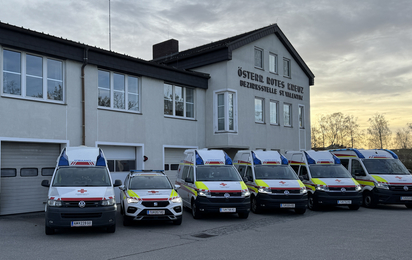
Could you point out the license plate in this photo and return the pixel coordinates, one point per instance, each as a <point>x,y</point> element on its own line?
<point>406,198</point>
<point>287,205</point>
<point>344,202</point>
<point>87,223</point>
<point>155,212</point>
<point>227,209</point>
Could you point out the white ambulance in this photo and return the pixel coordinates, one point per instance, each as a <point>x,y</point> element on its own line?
<point>81,191</point>
<point>327,181</point>
<point>209,183</point>
<point>383,177</point>
<point>271,181</point>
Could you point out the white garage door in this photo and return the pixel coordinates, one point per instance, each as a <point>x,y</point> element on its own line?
<point>23,167</point>
<point>173,156</point>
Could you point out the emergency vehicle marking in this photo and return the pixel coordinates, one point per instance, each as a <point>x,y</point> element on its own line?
<point>223,184</point>
<point>379,179</point>
<point>296,163</point>
<point>324,162</point>
<point>243,162</point>
<point>82,191</point>
<point>85,199</point>
<point>84,163</point>
<point>214,163</point>
<point>345,155</point>
<point>271,163</point>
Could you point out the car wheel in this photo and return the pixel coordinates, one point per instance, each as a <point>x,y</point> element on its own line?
<point>354,206</point>
<point>111,229</point>
<point>312,205</point>
<point>409,206</point>
<point>369,200</point>
<point>126,221</point>
<point>121,209</point>
<point>243,215</point>
<point>177,221</point>
<point>300,211</point>
<point>195,211</point>
<point>254,206</point>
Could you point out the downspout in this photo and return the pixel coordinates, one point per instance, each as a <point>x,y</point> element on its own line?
<point>85,60</point>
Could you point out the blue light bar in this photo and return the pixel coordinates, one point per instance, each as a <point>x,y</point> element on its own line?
<point>392,153</point>
<point>100,159</point>
<point>199,160</point>
<point>337,160</point>
<point>228,160</point>
<point>284,160</point>
<point>256,161</point>
<point>310,159</point>
<point>63,161</point>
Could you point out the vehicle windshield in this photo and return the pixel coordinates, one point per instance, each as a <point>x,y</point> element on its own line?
<point>81,176</point>
<point>275,172</point>
<point>329,171</point>
<point>385,166</point>
<point>217,173</point>
<point>149,183</point>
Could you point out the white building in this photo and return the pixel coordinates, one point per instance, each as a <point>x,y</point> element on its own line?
<point>229,94</point>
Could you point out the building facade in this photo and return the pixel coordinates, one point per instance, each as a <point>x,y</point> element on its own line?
<point>144,114</point>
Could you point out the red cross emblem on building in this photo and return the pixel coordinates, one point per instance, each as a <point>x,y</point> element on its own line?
<point>282,182</point>
<point>223,184</point>
<point>82,191</point>
<point>338,180</point>
<point>398,177</point>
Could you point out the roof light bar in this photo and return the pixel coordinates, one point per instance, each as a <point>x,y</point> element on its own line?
<point>63,161</point>
<point>256,161</point>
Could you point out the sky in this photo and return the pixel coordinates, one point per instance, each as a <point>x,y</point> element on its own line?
<point>359,51</point>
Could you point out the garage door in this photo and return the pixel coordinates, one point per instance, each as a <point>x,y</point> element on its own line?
<point>173,156</point>
<point>23,167</point>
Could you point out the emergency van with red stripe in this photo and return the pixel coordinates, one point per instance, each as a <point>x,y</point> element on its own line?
<point>327,181</point>
<point>271,181</point>
<point>149,195</point>
<point>209,183</point>
<point>383,177</point>
<point>81,191</point>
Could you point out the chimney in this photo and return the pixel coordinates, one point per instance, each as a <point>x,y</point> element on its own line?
<point>165,48</point>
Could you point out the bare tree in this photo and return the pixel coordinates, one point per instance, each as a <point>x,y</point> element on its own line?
<point>379,132</point>
<point>335,128</point>
<point>403,137</point>
<point>323,129</point>
<point>316,137</point>
<point>352,130</point>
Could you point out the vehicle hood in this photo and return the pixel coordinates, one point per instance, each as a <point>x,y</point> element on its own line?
<point>335,182</point>
<point>280,184</point>
<point>393,179</point>
<point>159,194</point>
<point>221,186</point>
<point>81,193</point>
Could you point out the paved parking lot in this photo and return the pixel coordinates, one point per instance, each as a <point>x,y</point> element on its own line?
<point>336,233</point>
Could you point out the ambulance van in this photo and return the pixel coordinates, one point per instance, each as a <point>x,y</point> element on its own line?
<point>271,181</point>
<point>209,183</point>
<point>327,181</point>
<point>383,177</point>
<point>81,191</point>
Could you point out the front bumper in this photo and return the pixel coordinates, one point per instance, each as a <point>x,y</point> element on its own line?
<point>279,201</point>
<point>392,196</point>
<point>332,198</point>
<point>62,217</point>
<point>213,205</point>
<point>137,211</point>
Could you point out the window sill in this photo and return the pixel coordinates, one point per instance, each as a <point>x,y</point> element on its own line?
<point>275,124</point>
<point>260,123</point>
<point>225,132</point>
<point>119,110</point>
<point>181,118</point>
<point>288,126</point>
<point>33,99</point>
<point>259,68</point>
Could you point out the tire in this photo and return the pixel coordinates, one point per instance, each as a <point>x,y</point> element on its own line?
<point>195,211</point>
<point>127,221</point>
<point>121,209</point>
<point>354,206</point>
<point>111,229</point>
<point>254,206</point>
<point>243,215</point>
<point>49,231</point>
<point>177,221</point>
<point>300,211</point>
<point>369,201</point>
<point>409,206</point>
<point>312,205</point>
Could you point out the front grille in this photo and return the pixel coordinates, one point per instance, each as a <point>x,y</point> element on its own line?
<point>224,200</point>
<point>340,188</point>
<point>283,191</point>
<point>81,215</point>
<point>400,188</point>
<point>89,204</point>
<point>152,203</point>
<point>222,194</point>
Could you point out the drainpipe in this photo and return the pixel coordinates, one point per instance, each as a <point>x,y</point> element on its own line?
<point>85,60</point>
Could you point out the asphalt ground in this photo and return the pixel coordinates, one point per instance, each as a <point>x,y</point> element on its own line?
<point>331,233</point>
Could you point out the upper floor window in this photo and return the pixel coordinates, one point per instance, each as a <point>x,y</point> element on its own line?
<point>286,68</point>
<point>273,63</point>
<point>274,112</point>
<point>32,76</point>
<point>287,114</point>
<point>259,108</point>
<point>301,117</point>
<point>179,101</point>
<point>258,58</point>
<point>118,91</point>
<point>225,112</point>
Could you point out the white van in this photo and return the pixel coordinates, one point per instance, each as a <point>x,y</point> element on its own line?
<point>383,177</point>
<point>81,191</point>
<point>327,181</point>
<point>271,181</point>
<point>209,183</point>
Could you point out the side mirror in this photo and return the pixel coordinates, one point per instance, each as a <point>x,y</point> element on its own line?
<point>121,187</point>
<point>177,186</point>
<point>117,183</point>
<point>245,179</point>
<point>45,183</point>
<point>188,180</point>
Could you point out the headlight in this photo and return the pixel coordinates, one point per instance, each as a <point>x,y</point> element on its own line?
<point>203,193</point>
<point>265,190</point>
<point>109,202</point>
<point>177,200</point>
<point>54,203</point>
<point>246,193</point>
<point>132,200</point>
<point>382,186</point>
<point>322,188</point>
<point>303,190</point>
<point>358,188</point>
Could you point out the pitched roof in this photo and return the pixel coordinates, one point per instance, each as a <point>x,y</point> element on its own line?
<point>222,50</point>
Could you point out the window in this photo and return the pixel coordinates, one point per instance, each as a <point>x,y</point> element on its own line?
<point>8,172</point>
<point>301,117</point>
<point>273,63</point>
<point>179,101</point>
<point>121,165</point>
<point>28,172</point>
<point>225,112</point>
<point>258,58</point>
<point>274,112</point>
<point>259,105</point>
<point>118,91</point>
<point>287,114</point>
<point>286,68</point>
<point>47,171</point>
<point>32,76</point>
